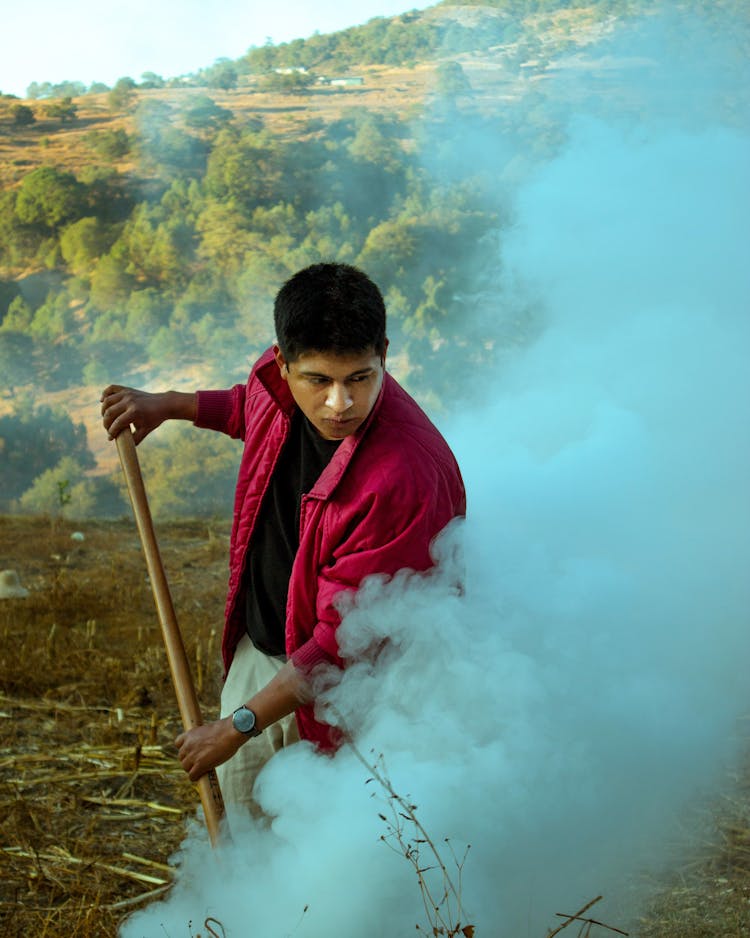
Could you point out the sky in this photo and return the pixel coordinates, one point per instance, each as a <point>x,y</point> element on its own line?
<point>85,40</point>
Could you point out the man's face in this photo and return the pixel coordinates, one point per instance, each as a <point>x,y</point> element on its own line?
<point>335,392</point>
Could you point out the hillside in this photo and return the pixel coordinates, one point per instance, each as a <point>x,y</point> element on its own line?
<point>115,205</point>
<point>385,91</point>
<point>145,228</point>
<point>498,73</point>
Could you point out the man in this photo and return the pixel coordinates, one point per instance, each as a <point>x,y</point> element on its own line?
<point>342,476</point>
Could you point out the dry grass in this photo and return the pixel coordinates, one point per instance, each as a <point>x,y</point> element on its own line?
<point>398,92</point>
<point>708,893</point>
<point>92,799</point>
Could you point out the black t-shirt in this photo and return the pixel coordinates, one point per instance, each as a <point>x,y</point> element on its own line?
<point>276,537</point>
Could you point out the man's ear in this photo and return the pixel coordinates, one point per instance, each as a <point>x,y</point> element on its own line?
<point>385,351</point>
<point>281,362</point>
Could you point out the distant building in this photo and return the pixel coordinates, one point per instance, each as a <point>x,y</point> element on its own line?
<point>347,81</point>
<point>291,70</point>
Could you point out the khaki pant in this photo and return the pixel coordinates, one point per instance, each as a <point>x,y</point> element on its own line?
<point>250,671</point>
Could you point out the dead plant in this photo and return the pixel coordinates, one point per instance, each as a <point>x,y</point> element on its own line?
<point>407,836</point>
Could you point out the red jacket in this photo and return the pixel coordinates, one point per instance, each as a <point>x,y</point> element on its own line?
<point>389,489</point>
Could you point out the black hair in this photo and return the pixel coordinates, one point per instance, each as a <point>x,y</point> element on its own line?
<point>329,308</point>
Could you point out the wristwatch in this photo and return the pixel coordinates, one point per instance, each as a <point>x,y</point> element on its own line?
<point>243,720</point>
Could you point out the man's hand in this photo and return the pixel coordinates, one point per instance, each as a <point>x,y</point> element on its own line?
<point>122,407</point>
<point>204,747</point>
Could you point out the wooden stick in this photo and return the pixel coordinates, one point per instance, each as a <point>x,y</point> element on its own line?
<point>208,785</point>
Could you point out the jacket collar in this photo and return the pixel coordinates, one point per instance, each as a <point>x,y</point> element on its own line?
<point>267,372</point>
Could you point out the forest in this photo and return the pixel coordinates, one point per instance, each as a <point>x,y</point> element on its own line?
<point>152,256</point>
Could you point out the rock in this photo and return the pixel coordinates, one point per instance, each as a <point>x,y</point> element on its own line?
<point>10,587</point>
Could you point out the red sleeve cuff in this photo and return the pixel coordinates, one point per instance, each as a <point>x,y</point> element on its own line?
<point>310,655</point>
<point>213,409</point>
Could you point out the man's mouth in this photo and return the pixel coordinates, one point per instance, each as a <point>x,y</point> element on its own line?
<point>340,425</point>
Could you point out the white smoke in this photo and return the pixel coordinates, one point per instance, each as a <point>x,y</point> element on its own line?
<point>560,714</point>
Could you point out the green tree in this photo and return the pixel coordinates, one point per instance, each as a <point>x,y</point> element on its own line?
<point>151,80</point>
<point>261,59</point>
<point>49,197</point>
<point>164,147</point>
<point>389,251</point>
<point>254,292</point>
<point>152,118</point>
<point>95,373</point>
<point>83,243</point>
<point>168,346</point>
<point>204,114</point>
<point>286,82</point>
<point>54,319</point>
<point>158,252</point>
<point>110,281</point>
<point>109,144</point>
<point>190,475</point>
<point>122,94</point>
<point>451,80</point>
<point>109,197</point>
<point>224,236</point>
<point>180,154</point>
<point>207,291</point>
<point>326,232</point>
<point>68,89</point>
<point>184,199</point>
<point>148,311</point>
<point>63,110</point>
<point>18,242</point>
<point>61,490</point>
<point>109,334</point>
<point>18,316</point>
<point>58,361</point>
<point>9,291</point>
<point>214,340</point>
<point>16,351</point>
<point>373,144</point>
<point>34,440</point>
<point>23,115</point>
<point>244,169</point>
<point>222,74</point>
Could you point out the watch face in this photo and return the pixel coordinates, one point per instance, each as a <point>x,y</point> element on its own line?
<point>243,720</point>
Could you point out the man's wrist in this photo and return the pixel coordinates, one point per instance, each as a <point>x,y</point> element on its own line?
<point>182,405</point>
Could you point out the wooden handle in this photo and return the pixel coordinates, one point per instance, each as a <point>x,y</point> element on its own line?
<point>208,785</point>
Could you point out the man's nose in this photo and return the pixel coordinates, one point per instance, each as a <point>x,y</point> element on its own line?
<point>339,399</point>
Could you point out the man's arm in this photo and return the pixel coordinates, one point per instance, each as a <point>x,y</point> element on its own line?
<point>122,407</point>
<point>204,747</point>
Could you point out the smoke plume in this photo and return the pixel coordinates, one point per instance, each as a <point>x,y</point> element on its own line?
<point>564,711</point>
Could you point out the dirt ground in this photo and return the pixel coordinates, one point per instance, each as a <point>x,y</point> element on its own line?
<point>92,801</point>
